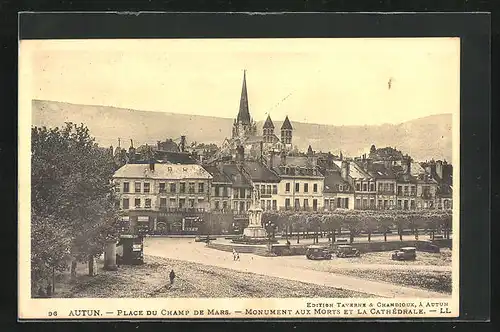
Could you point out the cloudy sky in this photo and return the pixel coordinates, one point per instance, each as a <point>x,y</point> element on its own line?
<point>328,81</point>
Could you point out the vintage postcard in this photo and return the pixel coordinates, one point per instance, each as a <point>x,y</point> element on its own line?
<point>239,178</point>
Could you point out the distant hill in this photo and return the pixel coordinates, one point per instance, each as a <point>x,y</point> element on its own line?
<point>423,138</point>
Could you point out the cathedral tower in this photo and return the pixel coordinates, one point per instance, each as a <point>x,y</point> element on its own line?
<point>286,133</point>
<point>268,130</point>
<point>243,124</point>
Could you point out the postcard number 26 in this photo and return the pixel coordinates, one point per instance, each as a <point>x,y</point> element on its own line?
<point>52,313</point>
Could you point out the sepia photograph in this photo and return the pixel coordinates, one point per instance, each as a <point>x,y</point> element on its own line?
<point>239,178</point>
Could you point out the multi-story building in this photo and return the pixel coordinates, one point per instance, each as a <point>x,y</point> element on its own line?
<point>301,185</point>
<point>385,181</point>
<point>442,172</point>
<point>164,197</point>
<point>266,182</point>
<point>426,191</point>
<point>365,191</point>
<point>337,192</point>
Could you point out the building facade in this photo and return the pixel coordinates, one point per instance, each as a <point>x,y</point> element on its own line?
<point>337,192</point>
<point>164,197</point>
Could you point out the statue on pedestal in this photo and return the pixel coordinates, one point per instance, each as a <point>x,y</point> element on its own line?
<point>256,198</point>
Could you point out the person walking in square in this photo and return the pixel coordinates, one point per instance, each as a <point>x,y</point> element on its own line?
<point>172,277</point>
<point>234,254</point>
<point>237,256</point>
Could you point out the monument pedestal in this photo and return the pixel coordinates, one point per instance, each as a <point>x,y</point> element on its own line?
<point>255,229</point>
<point>255,232</point>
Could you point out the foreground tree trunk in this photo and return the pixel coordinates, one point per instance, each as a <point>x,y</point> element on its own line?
<point>73,269</point>
<point>369,237</point>
<point>91,266</point>
<point>385,236</point>
<point>110,256</point>
<point>333,236</point>
<point>400,231</point>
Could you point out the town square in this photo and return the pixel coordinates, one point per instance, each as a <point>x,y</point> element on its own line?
<point>251,217</point>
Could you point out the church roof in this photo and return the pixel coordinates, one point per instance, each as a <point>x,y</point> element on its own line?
<point>244,113</point>
<point>286,124</point>
<point>268,123</point>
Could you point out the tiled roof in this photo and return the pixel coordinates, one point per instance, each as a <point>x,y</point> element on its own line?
<point>174,157</point>
<point>260,172</point>
<point>380,171</point>
<point>332,182</point>
<point>356,171</point>
<point>297,171</point>
<point>237,178</point>
<point>217,175</point>
<point>162,171</point>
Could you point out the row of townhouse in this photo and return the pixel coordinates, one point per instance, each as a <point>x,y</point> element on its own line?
<point>179,198</point>
<point>366,185</point>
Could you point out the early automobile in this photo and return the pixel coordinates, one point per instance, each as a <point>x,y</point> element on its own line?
<point>405,254</point>
<point>204,238</point>
<point>347,251</point>
<point>318,252</point>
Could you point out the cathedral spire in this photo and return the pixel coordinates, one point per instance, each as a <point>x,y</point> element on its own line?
<point>244,113</point>
<point>268,123</point>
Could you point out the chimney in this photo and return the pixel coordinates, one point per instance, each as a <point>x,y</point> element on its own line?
<point>158,144</point>
<point>270,161</point>
<point>408,166</point>
<point>283,158</point>
<point>345,170</point>
<point>369,163</point>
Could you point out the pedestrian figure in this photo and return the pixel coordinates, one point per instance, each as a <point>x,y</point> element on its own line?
<point>234,254</point>
<point>49,290</point>
<point>237,256</point>
<point>172,277</point>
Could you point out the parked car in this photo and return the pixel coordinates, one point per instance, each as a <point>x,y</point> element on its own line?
<point>318,252</point>
<point>347,251</point>
<point>405,254</point>
<point>204,238</point>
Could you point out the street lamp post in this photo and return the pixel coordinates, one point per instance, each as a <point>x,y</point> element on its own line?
<point>270,226</point>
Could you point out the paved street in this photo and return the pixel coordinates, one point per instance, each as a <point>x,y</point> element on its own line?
<point>295,268</point>
<point>362,239</point>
